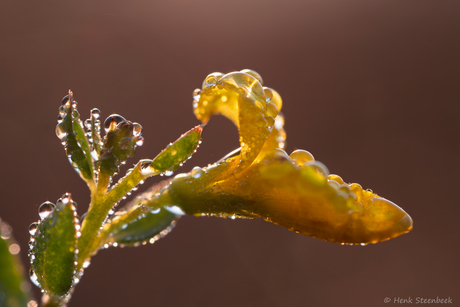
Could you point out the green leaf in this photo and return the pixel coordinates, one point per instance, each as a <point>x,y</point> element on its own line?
<point>136,223</point>
<point>150,225</point>
<point>12,282</point>
<point>119,144</point>
<point>172,157</point>
<point>70,131</point>
<point>53,253</point>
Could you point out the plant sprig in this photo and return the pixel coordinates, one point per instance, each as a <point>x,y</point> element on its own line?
<point>258,180</point>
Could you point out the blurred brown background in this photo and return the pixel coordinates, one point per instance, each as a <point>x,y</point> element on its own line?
<point>371,88</point>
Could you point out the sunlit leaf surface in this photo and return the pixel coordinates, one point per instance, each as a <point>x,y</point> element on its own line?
<point>54,247</point>
<point>293,191</point>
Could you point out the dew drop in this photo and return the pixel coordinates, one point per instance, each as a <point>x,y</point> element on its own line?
<point>33,228</point>
<point>196,94</point>
<point>45,209</point>
<point>279,122</point>
<point>112,121</point>
<point>212,79</point>
<point>33,277</point>
<point>301,157</point>
<point>145,167</point>
<point>88,124</point>
<point>345,188</point>
<point>95,113</point>
<point>86,264</point>
<point>268,94</point>
<point>60,131</point>
<point>65,100</point>
<point>66,198</point>
<point>155,211</point>
<point>320,167</point>
<point>168,173</point>
<point>140,141</point>
<point>272,110</point>
<point>271,122</point>
<point>94,155</point>
<point>137,129</point>
<point>255,74</point>
<point>175,210</point>
<point>334,184</point>
<point>62,112</point>
<point>197,172</point>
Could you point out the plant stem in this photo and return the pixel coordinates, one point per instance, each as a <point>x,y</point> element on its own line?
<point>99,209</point>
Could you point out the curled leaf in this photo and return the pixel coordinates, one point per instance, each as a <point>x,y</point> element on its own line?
<point>293,191</point>
<point>240,97</point>
<point>53,251</point>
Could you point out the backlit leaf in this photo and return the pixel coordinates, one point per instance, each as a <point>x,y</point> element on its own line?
<point>54,250</point>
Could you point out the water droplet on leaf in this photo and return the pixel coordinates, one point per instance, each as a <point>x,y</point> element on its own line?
<point>197,172</point>
<point>45,209</point>
<point>112,121</point>
<point>175,209</point>
<point>140,141</point>
<point>137,129</point>
<point>33,278</point>
<point>320,167</point>
<point>301,157</point>
<point>88,124</point>
<point>212,79</point>
<point>33,228</point>
<point>255,74</point>
<point>60,132</point>
<point>268,94</point>
<point>65,100</point>
<point>196,94</point>
<point>96,113</point>
<point>66,198</point>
